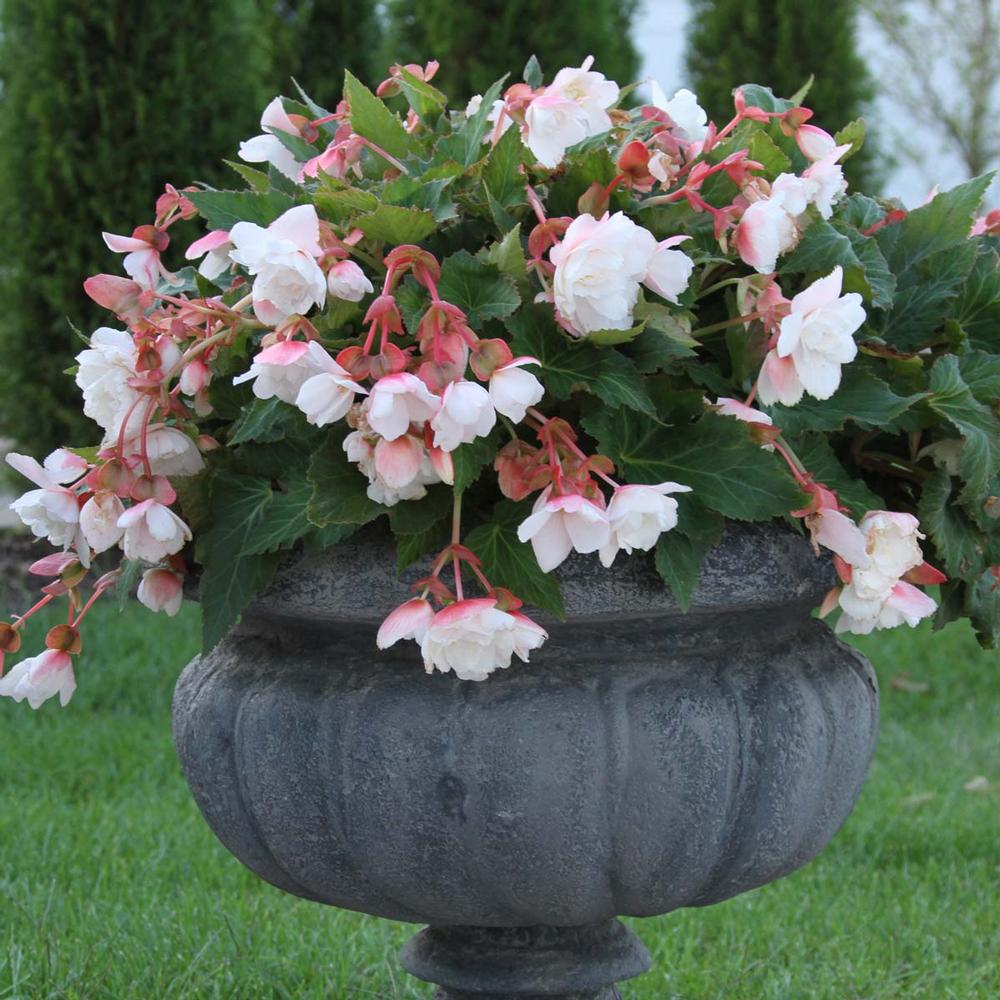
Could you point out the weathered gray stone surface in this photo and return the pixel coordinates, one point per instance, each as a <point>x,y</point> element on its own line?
<point>644,760</point>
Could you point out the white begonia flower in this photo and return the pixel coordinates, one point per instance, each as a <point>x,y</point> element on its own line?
<point>326,396</point>
<point>466,413</point>
<point>560,524</point>
<point>513,390</point>
<point>152,532</point>
<point>474,638</point>
<point>591,90</point>
<point>281,370</point>
<point>348,282</point>
<point>600,264</point>
<point>689,118</point>
<point>267,147</point>
<point>817,337</point>
<point>103,373</point>
<point>51,511</point>
<point>572,108</point>
<point>638,516</point>
<point>282,261</point>
<point>99,521</point>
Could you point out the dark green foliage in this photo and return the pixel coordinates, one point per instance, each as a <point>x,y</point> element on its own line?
<point>316,40</point>
<point>781,43</point>
<point>476,43</point>
<point>103,102</point>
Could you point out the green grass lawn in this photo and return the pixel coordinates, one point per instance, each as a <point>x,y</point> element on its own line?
<point>111,885</point>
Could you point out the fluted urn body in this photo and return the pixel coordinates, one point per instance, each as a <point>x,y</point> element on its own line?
<point>644,760</point>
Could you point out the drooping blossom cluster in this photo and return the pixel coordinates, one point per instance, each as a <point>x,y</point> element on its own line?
<point>423,381</point>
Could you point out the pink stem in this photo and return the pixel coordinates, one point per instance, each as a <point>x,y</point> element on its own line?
<point>21,619</point>
<point>385,156</point>
<point>536,203</point>
<point>86,608</point>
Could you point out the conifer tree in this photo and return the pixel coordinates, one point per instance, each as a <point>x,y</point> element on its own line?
<point>781,43</point>
<point>476,43</point>
<point>103,102</point>
<point>316,40</point>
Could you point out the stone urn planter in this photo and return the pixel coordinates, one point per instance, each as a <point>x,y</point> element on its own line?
<point>645,759</point>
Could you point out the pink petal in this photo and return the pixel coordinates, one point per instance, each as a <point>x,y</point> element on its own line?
<point>823,292</point>
<point>124,244</point>
<point>912,603</point>
<point>211,241</point>
<point>300,225</point>
<point>838,533</point>
<point>398,462</point>
<point>285,352</point>
<point>463,609</point>
<point>30,469</point>
<point>409,621</point>
<point>275,116</point>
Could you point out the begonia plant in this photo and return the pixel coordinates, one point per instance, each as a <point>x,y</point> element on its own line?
<point>535,322</point>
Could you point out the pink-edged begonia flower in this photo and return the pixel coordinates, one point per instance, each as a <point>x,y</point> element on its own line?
<point>152,531</point>
<point>748,414</point>
<point>474,637</point>
<point>170,451</point>
<point>592,92</point>
<point>215,247</point>
<point>64,466</point>
<point>400,469</point>
<point>142,252</point>
<point>195,377</point>
<point>668,271</point>
<point>326,396</point>
<point>892,544</point>
<point>814,142</point>
<point>409,621</point>
<point>825,181</point>
<point>398,400</point>
<point>398,463</point>
<point>41,677</point>
<point>161,590</point>
<point>875,595</point>
<point>904,603</point>
<point>51,511</point>
<point>104,374</point>
<point>281,370</point>
<point>267,147</point>
<point>559,524</point>
<point>769,227</point>
<point>498,114</point>
<point>552,123</point>
<point>759,420</point>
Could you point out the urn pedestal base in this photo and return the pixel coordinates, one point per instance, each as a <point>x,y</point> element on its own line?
<point>526,963</point>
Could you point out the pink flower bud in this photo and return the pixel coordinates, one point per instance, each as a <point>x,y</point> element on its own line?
<point>347,281</point>
<point>120,295</point>
<point>195,377</point>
